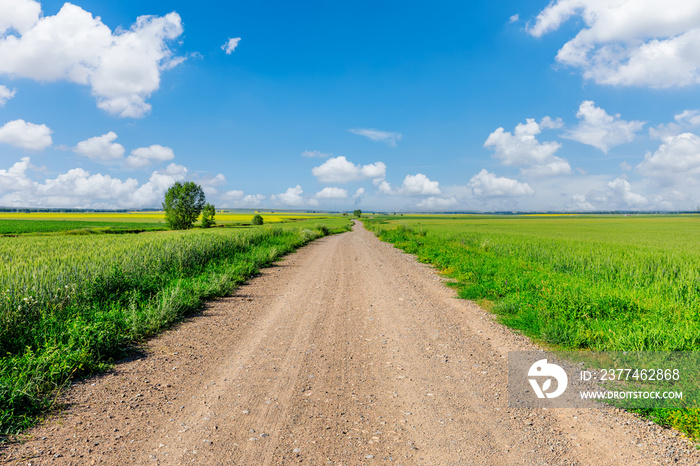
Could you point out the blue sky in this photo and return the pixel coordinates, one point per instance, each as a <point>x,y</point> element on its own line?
<point>575,105</point>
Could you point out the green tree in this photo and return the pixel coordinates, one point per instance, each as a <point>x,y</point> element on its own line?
<point>357,213</point>
<point>183,204</point>
<point>208,214</point>
<point>257,220</point>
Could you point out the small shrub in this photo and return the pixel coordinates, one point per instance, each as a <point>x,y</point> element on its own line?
<point>208,214</point>
<point>257,220</point>
<point>307,234</point>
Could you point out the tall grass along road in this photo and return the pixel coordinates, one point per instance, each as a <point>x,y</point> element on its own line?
<point>348,351</point>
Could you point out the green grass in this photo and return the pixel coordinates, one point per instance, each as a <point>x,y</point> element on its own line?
<point>71,305</point>
<point>23,227</point>
<point>587,283</point>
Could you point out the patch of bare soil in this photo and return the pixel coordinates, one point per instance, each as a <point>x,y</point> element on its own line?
<point>346,352</point>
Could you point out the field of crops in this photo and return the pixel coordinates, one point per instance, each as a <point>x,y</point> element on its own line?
<point>156,217</point>
<point>69,305</point>
<point>20,227</point>
<point>78,223</point>
<point>573,282</point>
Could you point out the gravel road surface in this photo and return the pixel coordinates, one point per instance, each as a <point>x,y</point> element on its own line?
<point>346,352</point>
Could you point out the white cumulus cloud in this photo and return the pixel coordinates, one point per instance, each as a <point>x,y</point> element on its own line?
<point>341,170</point>
<point>6,94</point>
<point>230,45</point>
<point>122,68</point>
<point>388,138</point>
<point>646,43</point>
<point>252,200</point>
<point>144,156</point>
<point>235,194</point>
<point>617,195</point>
<point>15,178</point>
<point>25,135</point>
<point>419,185</point>
<point>521,148</point>
<point>600,130</point>
<point>210,183</point>
<point>384,187</point>
<point>78,184</point>
<point>623,190</point>
<point>75,188</point>
<point>556,166</point>
<point>682,122</point>
<point>101,148</point>
<point>551,123</point>
<point>240,199</point>
<point>486,184</point>
<point>675,162</point>
<point>331,193</point>
<point>19,15</point>
<point>358,194</point>
<point>688,117</point>
<point>292,197</point>
<point>151,193</point>
<point>78,188</point>
<point>437,203</point>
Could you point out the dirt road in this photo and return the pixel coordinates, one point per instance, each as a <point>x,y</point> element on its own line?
<point>347,352</point>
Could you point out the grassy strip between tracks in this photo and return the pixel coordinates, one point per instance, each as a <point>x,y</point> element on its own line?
<point>604,284</point>
<point>72,305</point>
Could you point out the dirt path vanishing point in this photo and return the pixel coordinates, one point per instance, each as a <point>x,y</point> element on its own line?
<point>346,352</point>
